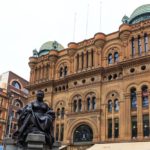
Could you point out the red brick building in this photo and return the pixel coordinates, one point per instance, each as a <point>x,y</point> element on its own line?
<point>17,94</point>
<point>3,113</point>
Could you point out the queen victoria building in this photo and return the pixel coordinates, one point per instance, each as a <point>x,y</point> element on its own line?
<point>99,87</point>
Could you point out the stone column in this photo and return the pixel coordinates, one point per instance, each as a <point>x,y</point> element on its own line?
<point>90,59</point>
<point>75,64</point>
<point>139,116</point>
<point>85,60</point>
<point>127,117</point>
<point>94,59</point>
<point>80,62</point>
<point>148,44</point>
<point>48,77</point>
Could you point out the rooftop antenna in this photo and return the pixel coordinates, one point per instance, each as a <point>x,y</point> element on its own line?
<point>87,21</point>
<point>74,28</point>
<point>100,13</point>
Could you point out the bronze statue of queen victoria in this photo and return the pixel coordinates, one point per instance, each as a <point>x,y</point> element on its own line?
<point>37,118</point>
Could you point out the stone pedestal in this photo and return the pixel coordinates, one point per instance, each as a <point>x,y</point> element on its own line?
<point>33,142</point>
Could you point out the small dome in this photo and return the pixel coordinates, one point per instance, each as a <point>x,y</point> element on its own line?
<point>50,45</point>
<point>140,14</point>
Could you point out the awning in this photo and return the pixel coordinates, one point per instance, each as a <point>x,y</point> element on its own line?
<point>62,147</point>
<point>122,146</point>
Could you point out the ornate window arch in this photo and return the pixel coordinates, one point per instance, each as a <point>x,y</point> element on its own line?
<point>77,103</point>
<point>16,84</point>
<point>62,70</point>
<point>90,101</point>
<point>112,108</point>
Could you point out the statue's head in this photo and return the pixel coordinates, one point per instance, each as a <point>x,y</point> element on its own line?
<point>40,95</point>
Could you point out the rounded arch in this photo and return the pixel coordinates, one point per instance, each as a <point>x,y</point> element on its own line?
<point>18,103</point>
<point>75,94</point>
<point>16,83</point>
<point>107,47</point>
<point>131,85</point>
<point>63,64</point>
<point>58,103</point>
<point>90,91</point>
<point>144,83</point>
<point>115,92</point>
<point>61,61</point>
<point>77,123</point>
<point>83,133</point>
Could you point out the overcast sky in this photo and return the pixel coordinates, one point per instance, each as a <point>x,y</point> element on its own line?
<point>27,24</point>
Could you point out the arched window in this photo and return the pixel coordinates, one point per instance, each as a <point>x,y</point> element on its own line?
<point>94,103</point>
<point>62,112</point>
<point>88,103</point>
<point>83,133</point>
<point>18,103</point>
<point>75,106</point>
<point>139,45</point>
<point>133,98</point>
<point>80,105</point>
<point>116,105</point>
<point>110,106</point>
<point>132,47</point>
<point>145,43</point>
<point>58,112</point>
<point>16,85</point>
<point>65,70</point>
<point>61,72</point>
<point>116,57</point>
<point>145,96</point>
<point>110,58</point>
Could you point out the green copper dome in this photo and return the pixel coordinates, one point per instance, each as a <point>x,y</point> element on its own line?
<point>50,45</point>
<point>140,14</point>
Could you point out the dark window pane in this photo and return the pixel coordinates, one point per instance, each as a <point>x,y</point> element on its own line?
<point>61,132</point>
<point>88,103</point>
<point>145,125</point>
<point>134,126</point>
<point>116,128</point>
<point>83,133</point>
<point>109,128</point>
